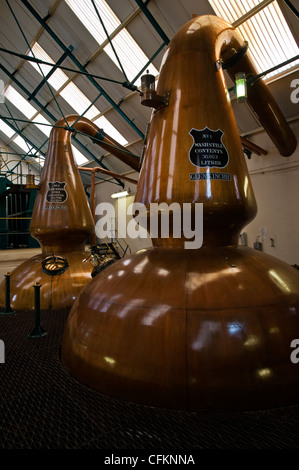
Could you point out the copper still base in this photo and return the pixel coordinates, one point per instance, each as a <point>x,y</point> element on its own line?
<point>57,291</point>
<point>188,329</point>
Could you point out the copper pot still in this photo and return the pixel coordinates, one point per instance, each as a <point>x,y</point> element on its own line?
<point>62,222</point>
<point>194,328</point>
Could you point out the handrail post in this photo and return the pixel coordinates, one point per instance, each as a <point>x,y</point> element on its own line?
<point>7,310</point>
<point>37,331</point>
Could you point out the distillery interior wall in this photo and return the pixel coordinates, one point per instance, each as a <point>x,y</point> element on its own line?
<point>275,183</point>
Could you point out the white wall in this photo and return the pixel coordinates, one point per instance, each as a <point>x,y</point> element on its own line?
<point>275,182</point>
<point>103,194</point>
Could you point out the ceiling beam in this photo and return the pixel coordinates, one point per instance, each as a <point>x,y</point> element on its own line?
<point>50,115</point>
<point>46,78</point>
<point>143,6</point>
<point>80,66</point>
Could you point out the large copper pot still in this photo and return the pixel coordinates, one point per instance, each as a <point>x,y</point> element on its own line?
<point>184,328</point>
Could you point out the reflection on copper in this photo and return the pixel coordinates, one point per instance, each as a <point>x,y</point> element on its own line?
<point>251,341</point>
<point>193,328</point>
<point>264,373</point>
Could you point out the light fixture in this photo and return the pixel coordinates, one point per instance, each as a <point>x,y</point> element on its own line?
<point>148,95</point>
<point>120,194</point>
<point>241,87</point>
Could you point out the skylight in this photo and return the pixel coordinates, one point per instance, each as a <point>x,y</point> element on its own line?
<point>270,39</point>
<point>78,101</point>
<point>79,158</point>
<point>58,78</point>
<point>46,129</point>
<point>104,124</point>
<point>28,110</point>
<point>6,129</point>
<point>130,54</point>
<point>86,13</point>
<point>71,93</point>
<point>22,143</point>
<point>73,96</point>
<point>19,102</point>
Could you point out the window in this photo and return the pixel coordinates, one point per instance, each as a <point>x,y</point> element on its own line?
<point>78,101</point>
<point>58,78</point>
<point>6,129</point>
<point>75,98</point>
<point>104,124</point>
<point>19,102</point>
<point>46,129</point>
<point>79,158</point>
<point>130,54</point>
<point>270,39</point>
<point>22,143</point>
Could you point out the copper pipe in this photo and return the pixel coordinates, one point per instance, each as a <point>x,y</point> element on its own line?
<point>99,137</point>
<point>253,147</point>
<point>251,13</point>
<point>109,173</point>
<point>117,150</point>
<point>229,45</point>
